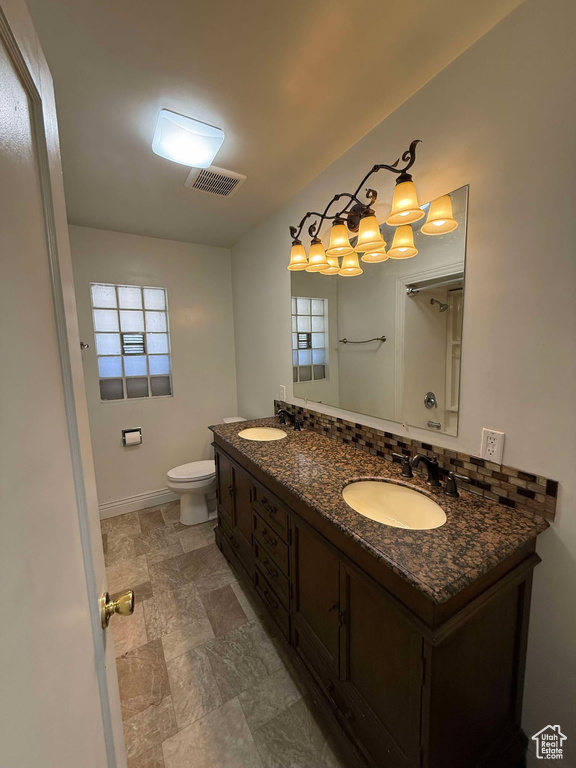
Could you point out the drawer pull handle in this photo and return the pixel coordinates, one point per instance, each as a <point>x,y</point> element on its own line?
<point>269,541</point>
<point>271,571</point>
<point>268,507</point>
<point>270,600</point>
<point>231,490</point>
<point>233,541</point>
<point>346,714</point>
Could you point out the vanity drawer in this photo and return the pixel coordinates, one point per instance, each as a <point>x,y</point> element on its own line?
<point>272,511</point>
<point>272,574</point>
<point>271,542</point>
<point>272,602</point>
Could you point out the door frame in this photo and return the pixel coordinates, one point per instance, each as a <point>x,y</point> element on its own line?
<point>444,270</point>
<point>17,53</point>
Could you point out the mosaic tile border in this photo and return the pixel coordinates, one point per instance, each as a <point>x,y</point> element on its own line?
<point>506,485</point>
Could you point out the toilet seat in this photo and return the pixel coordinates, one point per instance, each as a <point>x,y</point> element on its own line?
<point>195,470</point>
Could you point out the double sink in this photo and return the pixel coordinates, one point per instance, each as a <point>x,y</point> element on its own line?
<point>384,501</point>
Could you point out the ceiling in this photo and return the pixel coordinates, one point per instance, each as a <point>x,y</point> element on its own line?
<point>293,83</point>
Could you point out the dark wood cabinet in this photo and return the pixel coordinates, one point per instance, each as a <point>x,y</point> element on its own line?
<point>404,683</point>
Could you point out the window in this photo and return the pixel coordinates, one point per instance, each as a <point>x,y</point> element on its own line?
<point>309,339</point>
<point>132,341</point>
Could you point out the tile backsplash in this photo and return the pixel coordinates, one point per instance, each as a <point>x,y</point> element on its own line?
<point>509,486</point>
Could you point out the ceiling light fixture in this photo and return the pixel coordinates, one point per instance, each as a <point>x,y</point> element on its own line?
<point>358,217</point>
<point>185,140</point>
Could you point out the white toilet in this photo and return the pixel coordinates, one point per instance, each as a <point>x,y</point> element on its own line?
<point>193,482</point>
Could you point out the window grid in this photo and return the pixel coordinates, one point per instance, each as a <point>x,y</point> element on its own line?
<point>309,339</point>
<point>132,338</point>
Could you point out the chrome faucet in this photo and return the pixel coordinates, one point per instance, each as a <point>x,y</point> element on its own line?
<point>283,414</point>
<point>433,478</point>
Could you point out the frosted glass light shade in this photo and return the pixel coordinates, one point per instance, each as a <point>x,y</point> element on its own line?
<point>373,257</point>
<point>350,266</point>
<point>339,242</point>
<point>317,257</point>
<point>440,217</point>
<point>185,140</point>
<point>405,208</point>
<point>369,235</point>
<point>333,267</point>
<point>403,244</point>
<point>298,259</point>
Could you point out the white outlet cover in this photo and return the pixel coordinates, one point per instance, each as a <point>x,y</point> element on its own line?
<point>282,392</point>
<point>492,447</point>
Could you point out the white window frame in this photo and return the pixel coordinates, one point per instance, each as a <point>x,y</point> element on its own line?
<point>124,378</point>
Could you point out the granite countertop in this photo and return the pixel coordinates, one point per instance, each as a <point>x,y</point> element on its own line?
<point>477,536</point>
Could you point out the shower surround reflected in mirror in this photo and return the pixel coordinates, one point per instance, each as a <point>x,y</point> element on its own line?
<point>416,304</point>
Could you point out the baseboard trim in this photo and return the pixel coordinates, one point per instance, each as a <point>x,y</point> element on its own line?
<point>132,503</point>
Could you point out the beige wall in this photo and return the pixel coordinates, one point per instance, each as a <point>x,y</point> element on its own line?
<point>197,279</point>
<point>500,118</point>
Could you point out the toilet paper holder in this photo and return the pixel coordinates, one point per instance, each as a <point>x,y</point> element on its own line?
<point>132,436</point>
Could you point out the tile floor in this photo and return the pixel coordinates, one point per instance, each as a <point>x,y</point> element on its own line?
<point>203,679</point>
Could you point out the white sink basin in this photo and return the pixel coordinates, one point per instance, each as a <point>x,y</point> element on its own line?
<point>394,505</point>
<point>262,434</point>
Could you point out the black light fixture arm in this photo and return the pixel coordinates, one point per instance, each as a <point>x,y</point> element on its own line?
<point>352,213</point>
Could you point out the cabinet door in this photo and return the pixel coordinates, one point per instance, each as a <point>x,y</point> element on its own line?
<point>225,488</point>
<point>381,670</point>
<point>315,594</point>
<point>242,506</point>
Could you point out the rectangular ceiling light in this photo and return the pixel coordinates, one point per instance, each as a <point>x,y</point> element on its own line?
<point>185,140</point>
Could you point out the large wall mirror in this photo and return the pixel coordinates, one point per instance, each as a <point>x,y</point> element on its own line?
<point>388,342</point>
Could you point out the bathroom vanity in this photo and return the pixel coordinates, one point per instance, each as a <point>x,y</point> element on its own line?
<point>412,642</point>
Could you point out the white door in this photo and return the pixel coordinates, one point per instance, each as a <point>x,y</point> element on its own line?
<point>59,703</point>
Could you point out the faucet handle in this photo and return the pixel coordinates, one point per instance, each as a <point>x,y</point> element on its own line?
<point>451,488</point>
<point>406,466</point>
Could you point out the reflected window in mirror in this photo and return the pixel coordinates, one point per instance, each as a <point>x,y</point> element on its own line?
<point>309,339</point>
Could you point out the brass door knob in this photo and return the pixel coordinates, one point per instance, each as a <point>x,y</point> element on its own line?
<point>124,606</point>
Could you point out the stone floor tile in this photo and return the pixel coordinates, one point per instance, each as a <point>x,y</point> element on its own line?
<point>296,738</point>
<point>119,548</point>
<point>105,543</point>
<point>149,728</point>
<point>142,678</point>
<point>215,571</point>
<point>221,739</point>
<point>251,607</point>
<point>158,544</point>
<point>265,700</point>
<point>193,686</point>
<point>208,530</point>
<point>121,525</point>
<point>152,759</point>
<point>126,573</point>
<point>242,658</point>
<point>192,538</point>
<point>128,632</point>
<point>172,610</point>
<point>175,572</point>
<point>223,609</point>
<point>151,518</point>
<point>182,640</point>
<point>170,512</point>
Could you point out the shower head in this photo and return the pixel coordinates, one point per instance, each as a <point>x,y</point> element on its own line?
<point>442,307</point>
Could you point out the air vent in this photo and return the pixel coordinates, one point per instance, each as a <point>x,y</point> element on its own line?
<point>214,181</point>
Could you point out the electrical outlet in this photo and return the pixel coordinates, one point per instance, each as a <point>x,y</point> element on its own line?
<point>492,448</point>
<point>282,392</point>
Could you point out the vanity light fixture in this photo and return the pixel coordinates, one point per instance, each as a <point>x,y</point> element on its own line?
<point>317,260</point>
<point>403,243</point>
<point>440,218</point>
<point>185,140</point>
<point>358,217</point>
<point>298,258</point>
